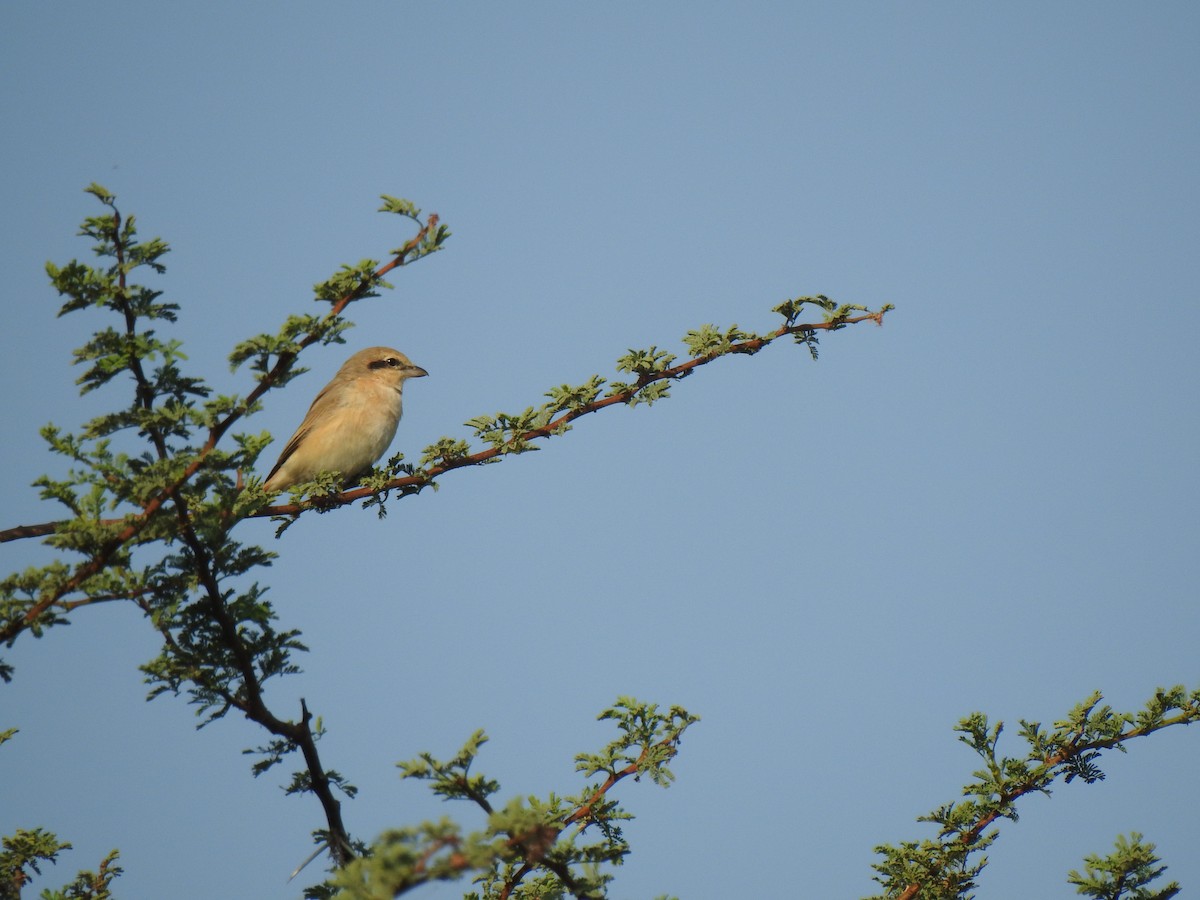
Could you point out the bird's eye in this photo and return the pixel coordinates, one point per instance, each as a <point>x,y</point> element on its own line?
<point>390,361</point>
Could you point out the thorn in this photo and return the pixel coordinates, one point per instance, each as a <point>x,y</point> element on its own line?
<point>321,848</point>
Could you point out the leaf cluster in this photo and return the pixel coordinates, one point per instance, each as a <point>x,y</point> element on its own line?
<point>25,850</point>
<point>530,847</point>
<point>1126,872</point>
<point>946,867</point>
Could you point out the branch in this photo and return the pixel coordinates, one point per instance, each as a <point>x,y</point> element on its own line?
<point>20,532</point>
<point>301,734</point>
<point>581,813</point>
<point>1073,751</point>
<point>1065,751</point>
<point>253,706</point>
<point>522,840</point>
<point>412,484</point>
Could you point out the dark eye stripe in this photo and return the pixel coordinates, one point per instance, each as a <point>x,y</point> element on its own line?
<point>391,362</point>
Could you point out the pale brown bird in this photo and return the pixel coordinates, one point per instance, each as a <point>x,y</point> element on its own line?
<point>351,423</point>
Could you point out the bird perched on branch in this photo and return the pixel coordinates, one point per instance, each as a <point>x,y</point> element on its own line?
<point>351,423</point>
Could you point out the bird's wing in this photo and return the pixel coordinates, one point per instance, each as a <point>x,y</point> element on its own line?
<point>288,451</point>
<point>314,412</point>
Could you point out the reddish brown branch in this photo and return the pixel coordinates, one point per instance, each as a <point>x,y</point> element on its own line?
<point>534,845</point>
<point>1070,751</point>
<point>411,484</point>
<point>580,813</point>
<point>414,483</point>
<point>20,532</point>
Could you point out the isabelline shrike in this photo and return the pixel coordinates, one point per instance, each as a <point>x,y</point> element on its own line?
<point>351,423</point>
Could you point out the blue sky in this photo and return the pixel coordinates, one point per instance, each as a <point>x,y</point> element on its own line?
<point>987,504</point>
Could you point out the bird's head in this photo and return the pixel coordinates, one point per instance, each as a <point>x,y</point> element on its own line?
<point>382,364</point>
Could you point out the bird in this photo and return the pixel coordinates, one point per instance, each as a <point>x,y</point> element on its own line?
<point>351,423</point>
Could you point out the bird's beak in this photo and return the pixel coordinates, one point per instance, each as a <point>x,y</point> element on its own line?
<point>415,372</point>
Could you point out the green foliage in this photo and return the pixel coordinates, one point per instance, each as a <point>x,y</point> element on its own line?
<point>530,847</point>
<point>152,497</point>
<point>428,240</point>
<point>836,316</point>
<point>946,868</point>
<point>27,850</point>
<point>153,489</point>
<point>294,335</point>
<point>452,779</point>
<point>90,885</point>
<point>23,851</point>
<point>445,452</point>
<point>654,370</point>
<point>576,398</point>
<point>511,432</point>
<point>653,735</point>
<point>708,340</point>
<point>1124,873</point>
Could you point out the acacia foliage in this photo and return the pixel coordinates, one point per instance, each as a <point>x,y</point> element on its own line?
<point>156,487</point>
<point>152,495</point>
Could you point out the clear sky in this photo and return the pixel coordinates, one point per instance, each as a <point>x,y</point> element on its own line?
<point>988,504</point>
